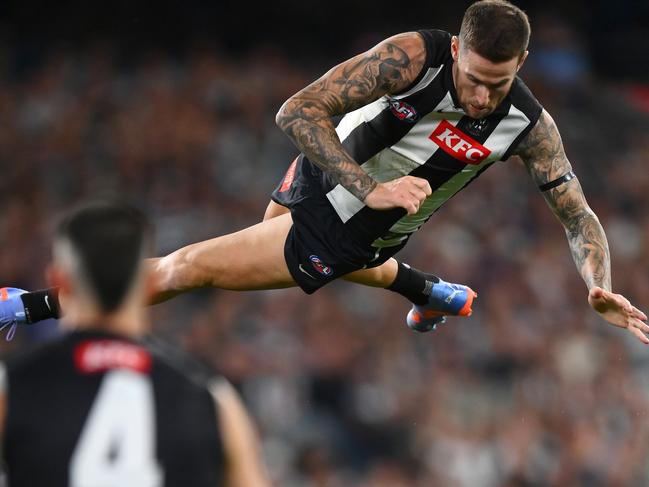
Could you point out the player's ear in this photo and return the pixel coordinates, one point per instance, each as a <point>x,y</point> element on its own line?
<point>455,47</point>
<point>522,60</point>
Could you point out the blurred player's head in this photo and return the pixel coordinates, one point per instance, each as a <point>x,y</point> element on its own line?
<point>98,265</point>
<point>487,54</point>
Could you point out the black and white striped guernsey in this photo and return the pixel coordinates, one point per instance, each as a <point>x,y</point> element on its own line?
<point>92,408</point>
<point>423,132</point>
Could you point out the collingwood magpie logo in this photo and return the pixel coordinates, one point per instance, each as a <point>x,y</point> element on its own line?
<point>477,126</point>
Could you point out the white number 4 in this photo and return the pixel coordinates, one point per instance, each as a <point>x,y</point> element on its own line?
<point>117,444</point>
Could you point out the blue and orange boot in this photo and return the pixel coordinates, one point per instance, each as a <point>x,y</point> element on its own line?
<point>445,299</point>
<point>12,310</point>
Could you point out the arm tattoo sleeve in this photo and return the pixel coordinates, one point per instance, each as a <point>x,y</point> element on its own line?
<point>543,154</point>
<point>306,116</point>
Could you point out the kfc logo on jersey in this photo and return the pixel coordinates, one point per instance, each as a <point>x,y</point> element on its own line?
<point>459,145</point>
<point>93,356</point>
<point>403,111</point>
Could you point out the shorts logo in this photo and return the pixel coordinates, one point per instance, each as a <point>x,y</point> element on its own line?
<point>290,176</point>
<point>458,145</point>
<point>320,266</point>
<point>403,111</point>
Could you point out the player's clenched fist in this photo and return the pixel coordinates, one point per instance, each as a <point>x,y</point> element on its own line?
<point>408,192</point>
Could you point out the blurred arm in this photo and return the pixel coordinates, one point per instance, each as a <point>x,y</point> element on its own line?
<point>244,467</point>
<point>543,154</point>
<point>3,402</point>
<point>389,67</point>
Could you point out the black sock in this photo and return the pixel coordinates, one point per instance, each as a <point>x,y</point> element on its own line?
<point>41,305</point>
<point>413,284</point>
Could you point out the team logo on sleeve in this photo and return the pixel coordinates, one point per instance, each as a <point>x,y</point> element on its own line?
<point>320,266</point>
<point>403,111</point>
<point>458,145</point>
<point>290,176</point>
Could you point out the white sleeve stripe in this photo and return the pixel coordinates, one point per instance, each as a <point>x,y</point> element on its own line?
<point>428,78</point>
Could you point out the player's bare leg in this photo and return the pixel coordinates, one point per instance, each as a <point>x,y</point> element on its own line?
<point>253,259</point>
<point>250,259</point>
<point>381,276</point>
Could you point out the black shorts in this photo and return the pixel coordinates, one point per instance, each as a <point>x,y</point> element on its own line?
<point>319,248</point>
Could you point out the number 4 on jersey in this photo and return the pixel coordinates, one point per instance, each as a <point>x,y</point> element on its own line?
<point>116,447</point>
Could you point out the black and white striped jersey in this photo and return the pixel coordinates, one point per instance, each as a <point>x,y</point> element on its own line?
<point>94,409</point>
<point>422,132</point>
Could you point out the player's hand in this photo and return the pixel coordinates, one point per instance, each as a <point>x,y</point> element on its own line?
<point>618,311</point>
<point>408,192</point>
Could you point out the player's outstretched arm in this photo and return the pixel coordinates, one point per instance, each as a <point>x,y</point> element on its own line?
<point>544,156</point>
<point>244,467</point>
<point>306,117</point>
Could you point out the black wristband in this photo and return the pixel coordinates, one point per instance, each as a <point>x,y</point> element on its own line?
<point>558,182</point>
<point>41,305</point>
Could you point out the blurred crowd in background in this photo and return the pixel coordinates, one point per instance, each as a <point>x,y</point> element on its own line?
<point>532,390</point>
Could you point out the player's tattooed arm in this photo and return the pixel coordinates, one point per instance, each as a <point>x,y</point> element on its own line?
<point>387,68</point>
<point>543,154</point>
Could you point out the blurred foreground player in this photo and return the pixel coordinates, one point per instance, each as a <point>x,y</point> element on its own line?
<point>425,114</point>
<point>97,407</point>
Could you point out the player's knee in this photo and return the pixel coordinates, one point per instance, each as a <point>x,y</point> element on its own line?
<point>166,273</point>
<point>274,210</point>
<point>268,214</point>
<point>180,271</point>
<point>198,269</point>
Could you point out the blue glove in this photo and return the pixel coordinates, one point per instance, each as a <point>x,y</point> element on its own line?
<point>12,310</point>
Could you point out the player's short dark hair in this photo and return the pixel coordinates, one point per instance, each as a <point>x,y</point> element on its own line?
<point>110,239</point>
<point>496,30</point>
